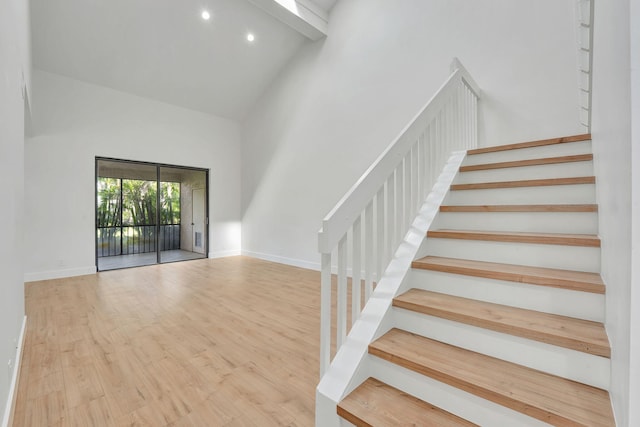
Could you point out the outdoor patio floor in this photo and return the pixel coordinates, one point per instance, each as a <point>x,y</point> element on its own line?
<point>137,260</point>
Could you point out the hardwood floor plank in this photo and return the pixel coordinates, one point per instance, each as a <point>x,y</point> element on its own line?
<point>520,208</point>
<point>46,410</point>
<point>574,280</point>
<point>374,403</point>
<point>575,334</point>
<point>233,339</point>
<point>87,385</point>
<point>95,413</point>
<point>529,144</point>
<point>517,237</point>
<point>45,384</point>
<point>525,183</point>
<point>529,162</point>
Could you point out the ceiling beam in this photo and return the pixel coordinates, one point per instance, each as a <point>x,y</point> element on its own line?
<point>304,16</point>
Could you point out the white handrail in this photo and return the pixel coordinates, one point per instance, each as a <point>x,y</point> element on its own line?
<point>368,223</point>
<point>338,220</point>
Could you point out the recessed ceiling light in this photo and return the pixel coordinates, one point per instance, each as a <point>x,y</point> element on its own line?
<point>250,37</point>
<point>206,15</point>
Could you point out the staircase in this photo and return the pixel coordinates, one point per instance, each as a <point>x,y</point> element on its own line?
<point>499,322</point>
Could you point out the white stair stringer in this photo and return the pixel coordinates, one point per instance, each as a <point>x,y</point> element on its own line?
<point>563,302</point>
<point>576,258</point>
<point>465,405</point>
<point>350,366</point>
<point>540,152</point>
<point>535,222</point>
<point>563,362</point>
<point>557,170</point>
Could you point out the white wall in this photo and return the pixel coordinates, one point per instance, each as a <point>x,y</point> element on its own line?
<point>14,63</point>
<point>611,130</point>
<point>341,101</point>
<point>634,321</point>
<point>73,123</point>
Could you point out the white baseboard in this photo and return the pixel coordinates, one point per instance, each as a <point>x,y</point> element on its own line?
<point>224,254</point>
<point>7,420</point>
<point>284,260</point>
<point>59,274</point>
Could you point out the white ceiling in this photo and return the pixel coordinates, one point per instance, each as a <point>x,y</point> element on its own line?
<point>164,50</point>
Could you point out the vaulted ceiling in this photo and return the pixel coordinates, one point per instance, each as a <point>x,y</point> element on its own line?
<point>165,50</point>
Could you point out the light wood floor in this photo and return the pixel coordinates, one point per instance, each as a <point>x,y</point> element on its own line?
<point>227,342</point>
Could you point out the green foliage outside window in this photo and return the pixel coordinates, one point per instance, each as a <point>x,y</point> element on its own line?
<point>170,203</point>
<point>109,206</point>
<point>137,206</point>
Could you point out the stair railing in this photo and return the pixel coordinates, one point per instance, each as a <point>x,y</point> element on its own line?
<point>359,236</point>
<point>584,12</point>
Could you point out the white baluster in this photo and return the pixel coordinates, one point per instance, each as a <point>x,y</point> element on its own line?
<point>467,116</point>
<point>400,230</point>
<point>356,270</point>
<point>392,232</point>
<point>475,122</point>
<point>379,234</point>
<point>341,310</point>
<point>425,161</point>
<point>420,171</point>
<point>468,125</point>
<point>415,154</point>
<point>407,192</point>
<point>368,251</point>
<point>325,313</point>
<point>458,115</point>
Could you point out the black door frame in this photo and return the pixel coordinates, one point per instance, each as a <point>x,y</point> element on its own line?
<point>158,166</point>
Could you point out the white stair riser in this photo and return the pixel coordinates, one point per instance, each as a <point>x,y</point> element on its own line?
<point>465,405</point>
<point>553,194</point>
<point>555,150</point>
<point>540,222</point>
<point>564,302</point>
<point>559,170</point>
<point>536,255</point>
<point>555,360</point>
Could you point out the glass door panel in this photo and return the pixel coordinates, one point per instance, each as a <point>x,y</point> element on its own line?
<point>126,214</point>
<point>183,214</point>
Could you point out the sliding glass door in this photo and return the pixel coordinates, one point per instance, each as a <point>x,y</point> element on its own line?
<point>183,214</point>
<point>149,213</point>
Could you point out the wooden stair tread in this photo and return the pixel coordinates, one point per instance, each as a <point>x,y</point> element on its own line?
<point>530,162</point>
<point>529,144</point>
<point>576,334</point>
<point>518,237</point>
<point>525,183</point>
<point>552,399</point>
<point>375,403</point>
<point>566,279</point>
<point>520,208</point>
